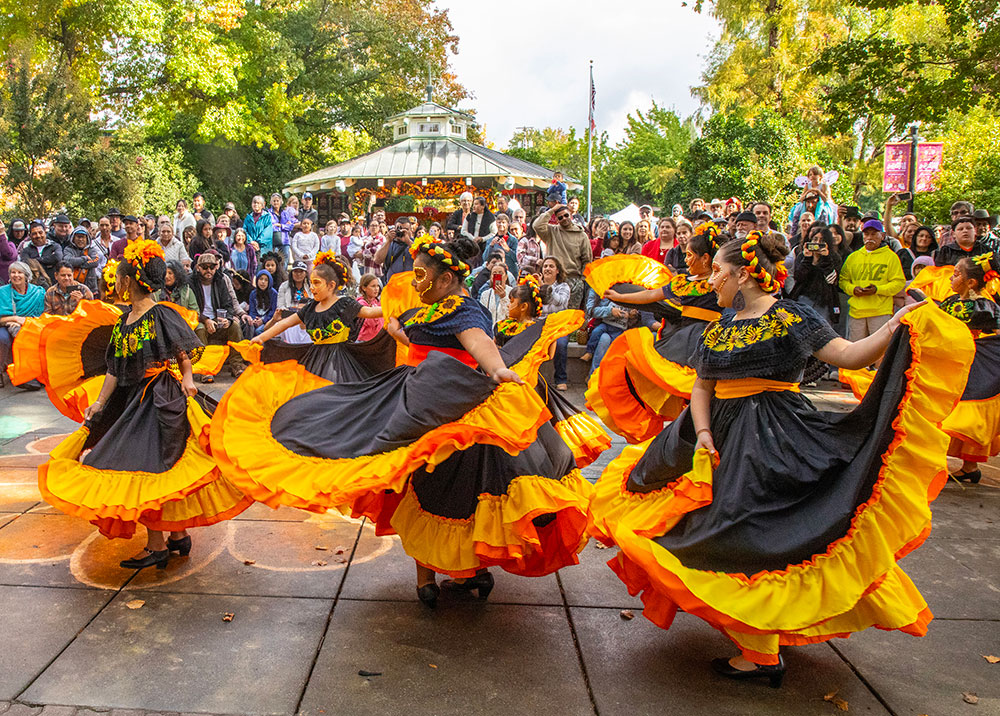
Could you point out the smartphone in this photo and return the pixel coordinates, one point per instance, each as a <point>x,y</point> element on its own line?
<point>916,294</point>
<point>814,246</point>
<point>905,196</point>
<point>496,280</point>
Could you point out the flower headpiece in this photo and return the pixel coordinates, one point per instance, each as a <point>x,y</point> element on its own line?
<point>536,291</point>
<point>436,250</point>
<point>110,274</point>
<point>138,254</point>
<point>770,284</point>
<point>332,259</point>
<point>988,265</point>
<point>711,232</point>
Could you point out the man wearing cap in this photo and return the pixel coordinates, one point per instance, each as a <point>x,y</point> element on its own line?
<point>308,211</point>
<point>235,222</point>
<point>646,214</point>
<point>199,212</point>
<point>218,314</point>
<point>43,250</point>
<point>131,224</point>
<point>62,297</point>
<point>717,208</point>
<point>746,221</point>
<point>870,277</point>
<point>115,217</point>
<point>60,230</point>
<point>985,231</point>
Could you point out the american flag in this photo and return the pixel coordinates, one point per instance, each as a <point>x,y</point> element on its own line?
<point>593,94</point>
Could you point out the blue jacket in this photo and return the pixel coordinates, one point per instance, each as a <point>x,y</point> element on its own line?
<point>272,297</point>
<point>259,230</point>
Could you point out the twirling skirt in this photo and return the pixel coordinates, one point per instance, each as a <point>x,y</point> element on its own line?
<point>794,537</point>
<point>146,462</point>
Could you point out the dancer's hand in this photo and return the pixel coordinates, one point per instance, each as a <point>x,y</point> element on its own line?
<point>896,320</point>
<point>506,375</point>
<point>705,441</point>
<point>92,410</point>
<point>187,385</point>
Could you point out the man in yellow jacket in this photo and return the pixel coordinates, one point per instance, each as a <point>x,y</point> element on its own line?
<point>870,277</point>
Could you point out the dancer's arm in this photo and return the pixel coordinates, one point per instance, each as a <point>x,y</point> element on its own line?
<point>481,347</point>
<point>860,354</point>
<point>701,402</point>
<point>187,375</point>
<point>107,388</point>
<point>278,328</point>
<point>650,295</point>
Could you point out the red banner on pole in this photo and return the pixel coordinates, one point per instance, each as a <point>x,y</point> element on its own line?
<point>929,159</point>
<point>896,167</point>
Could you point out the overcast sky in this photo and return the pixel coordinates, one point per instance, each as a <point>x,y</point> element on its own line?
<point>642,50</point>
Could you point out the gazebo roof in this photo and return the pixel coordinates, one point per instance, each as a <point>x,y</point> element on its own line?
<point>428,158</point>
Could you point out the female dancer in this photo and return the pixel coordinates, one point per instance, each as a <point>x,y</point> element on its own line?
<point>642,383</point>
<point>170,484</point>
<point>331,320</point>
<point>774,522</point>
<point>460,462</point>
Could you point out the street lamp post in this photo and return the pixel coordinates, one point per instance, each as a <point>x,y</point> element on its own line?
<point>914,140</point>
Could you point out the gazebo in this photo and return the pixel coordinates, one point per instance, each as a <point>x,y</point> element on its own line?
<point>430,158</point>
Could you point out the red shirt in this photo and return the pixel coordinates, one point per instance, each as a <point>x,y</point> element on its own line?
<point>652,250</point>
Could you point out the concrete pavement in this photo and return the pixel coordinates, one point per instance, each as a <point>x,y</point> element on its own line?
<point>325,621</point>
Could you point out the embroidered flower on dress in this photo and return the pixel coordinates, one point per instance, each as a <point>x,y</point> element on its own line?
<point>773,324</point>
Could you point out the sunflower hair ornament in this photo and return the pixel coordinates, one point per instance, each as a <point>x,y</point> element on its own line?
<point>536,291</point>
<point>988,265</point>
<point>110,274</point>
<point>770,284</point>
<point>437,251</point>
<point>138,254</point>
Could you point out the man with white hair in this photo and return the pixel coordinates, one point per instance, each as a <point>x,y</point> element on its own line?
<point>456,222</point>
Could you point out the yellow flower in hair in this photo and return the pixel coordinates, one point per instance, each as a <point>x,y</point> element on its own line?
<point>419,242</point>
<point>141,252</point>
<point>110,273</point>
<point>326,257</point>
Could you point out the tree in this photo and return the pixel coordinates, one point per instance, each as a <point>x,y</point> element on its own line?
<point>44,122</point>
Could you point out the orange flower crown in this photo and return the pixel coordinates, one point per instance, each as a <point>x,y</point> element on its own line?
<point>771,284</point>
<point>436,250</point>
<point>332,259</point>
<point>139,254</point>
<point>987,264</point>
<point>536,291</point>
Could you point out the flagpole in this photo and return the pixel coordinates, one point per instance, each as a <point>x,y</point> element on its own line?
<point>590,141</point>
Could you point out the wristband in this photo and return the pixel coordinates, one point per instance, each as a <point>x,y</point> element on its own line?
<point>703,430</point>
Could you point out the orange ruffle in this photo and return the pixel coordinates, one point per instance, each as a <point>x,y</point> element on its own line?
<point>855,583</point>
<point>555,327</point>
<point>626,268</point>
<point>249,455</point>
<point>27,349</point>
<point>857,380</point>
<point>974,428</point>
<point>584,436</point>
<point>662,386</point>
<point>191,493</point>
<point>501,532</point>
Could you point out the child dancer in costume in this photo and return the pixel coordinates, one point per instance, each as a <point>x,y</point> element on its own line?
<point>460,462</point>
<point>642,383</point>
<point>141,458</point>
<point>332,321</point>
<point>774,522</point>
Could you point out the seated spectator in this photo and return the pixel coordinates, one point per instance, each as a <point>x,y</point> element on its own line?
<point>293,293</point>
<point>675,256</point>
<point>173,247</point>
<point>19,299</point>
<point>612,245</point>
<point>368,293</point>
<point>41,250</point>
<point>219,314</point>
<point>614,320</point>
<point>274,264</point>
<point>242,254</point>
<point>871,277</point>
<point>597,231</point>
<point>83,256</point>
<point>263,301</point>
<point>481,274</point>
<point>62,297</point>
<point>176,286</point>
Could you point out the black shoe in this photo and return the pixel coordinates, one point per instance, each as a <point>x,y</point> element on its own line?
<point>774,672</point>
<point>974,477</point>
<point>159,558</point>
<point>30,385</point>
<point>482,583</point>
<point>208,379</point>
<point>182,545</point>
<point>428,594</point>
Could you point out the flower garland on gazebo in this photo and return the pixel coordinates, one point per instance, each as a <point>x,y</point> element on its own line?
<point>437,189</point>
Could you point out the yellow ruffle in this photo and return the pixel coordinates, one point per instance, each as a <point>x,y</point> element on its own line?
<point>663,387</point>
<point>399,296</point>
<point>857,380</point>
<point>584,436</point>
<point>831,587</point>
<point>974,426</point>
<point>626,268</point>
<point>555,326</point>
<point>115,500</point>
<point>934,281</point>
<point>501,532</point>
<point>250,456</point>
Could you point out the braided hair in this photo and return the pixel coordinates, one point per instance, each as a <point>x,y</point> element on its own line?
<point>705,240</point>
<point>529,292</point>
<point>452,256</point>
<point>144,262</point>
<point>763,254</point>
<point>331,267</point>
<point>982,268</point>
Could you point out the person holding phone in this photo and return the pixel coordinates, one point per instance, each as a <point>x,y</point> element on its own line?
<point>817,273</point>
<point>494,296</point>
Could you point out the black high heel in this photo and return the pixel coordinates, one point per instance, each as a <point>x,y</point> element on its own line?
<point>157,557</point>
<point>482,583</point>
<point>974,477</point>
<point>182,545</point>
<point>775,673</point>
<point>428,594</point>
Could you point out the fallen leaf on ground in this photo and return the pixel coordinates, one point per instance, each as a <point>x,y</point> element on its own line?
<point>601,545</point>
<point>321,548</point>
<point>626,614</point>
<point>992,659</point>
<point>318,563</point>
<point>369,673</point>
<point>135,604</point>
<point>837,701</point>
<point>341,560</point>
<point>970,697</point>
<point>339,550</point>
<point>248,562</point>
<point>228,616</point>
<point>433,666</point>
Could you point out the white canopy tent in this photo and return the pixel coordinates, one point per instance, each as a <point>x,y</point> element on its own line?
<point>629,213</point>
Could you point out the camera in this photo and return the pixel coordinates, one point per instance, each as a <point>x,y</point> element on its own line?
<point>814,246</point>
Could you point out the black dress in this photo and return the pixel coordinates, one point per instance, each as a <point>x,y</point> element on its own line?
<point>793,537</point>
<point>146,458</point>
